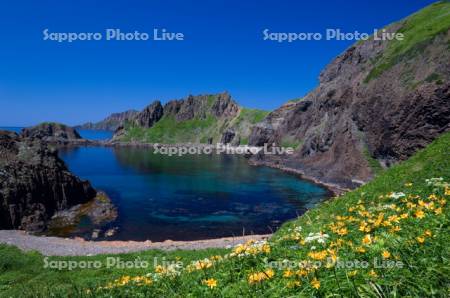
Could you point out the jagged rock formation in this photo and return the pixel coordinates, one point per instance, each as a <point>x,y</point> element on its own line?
<point>376,104</point>
<point>35,183</point>
<point>149,116</point>
<point>51,132</point>
<point>195,119</point>
<point>111,122</point>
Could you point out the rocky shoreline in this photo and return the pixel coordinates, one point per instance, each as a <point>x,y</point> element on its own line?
<point>56,246</point>
<point>334,189</point>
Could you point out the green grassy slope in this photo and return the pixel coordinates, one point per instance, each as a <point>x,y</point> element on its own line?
<point>197,130</point>
<point>399,221</point>
<point>418,30</point>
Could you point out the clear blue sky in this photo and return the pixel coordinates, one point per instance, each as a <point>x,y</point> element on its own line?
<point>223,50</point>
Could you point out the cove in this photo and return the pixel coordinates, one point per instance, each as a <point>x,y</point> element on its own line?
<point>190,197</point>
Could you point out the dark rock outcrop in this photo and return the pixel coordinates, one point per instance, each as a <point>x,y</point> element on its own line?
<point>224,106</point>
<point>149,116</point>
<point>228,136</point>
<point>35,183</point>
<point>51,132</point>
<point>349,121</point>
<point>111,122</point>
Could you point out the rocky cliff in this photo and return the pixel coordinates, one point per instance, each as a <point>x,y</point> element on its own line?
<point>35,183</point>
<point>51,132</point>
<point>112,122</point>
<point>376,103</point>
<point>195,119</point>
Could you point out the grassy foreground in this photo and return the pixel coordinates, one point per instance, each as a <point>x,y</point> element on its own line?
<point>387,238</point>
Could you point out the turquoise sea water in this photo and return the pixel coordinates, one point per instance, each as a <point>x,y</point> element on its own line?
<point>190,197</point>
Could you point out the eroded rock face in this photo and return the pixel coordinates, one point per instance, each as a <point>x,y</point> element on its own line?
<point>149,116</point>
<point>51,132</point>
<point>224,106</point>
<point>220,106</point>
<point>112,122</point>
<point>228,136</point>
<point>348,119</point>
<point>200,106</point>
<point>35,183</point>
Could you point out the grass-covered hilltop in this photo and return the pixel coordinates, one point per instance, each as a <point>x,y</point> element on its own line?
<point>389,238</point>
<point>197,119</point>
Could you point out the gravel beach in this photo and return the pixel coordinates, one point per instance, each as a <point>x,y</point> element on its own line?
<point>54,246</point>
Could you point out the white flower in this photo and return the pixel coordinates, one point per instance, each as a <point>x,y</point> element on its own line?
<point>397,195</point>
<point>319,237</point>
<point>437,182</point>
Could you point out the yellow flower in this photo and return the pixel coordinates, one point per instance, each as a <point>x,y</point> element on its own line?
<point>373,273</point>
<point>353,273</point>
<point>287,273</point>
<point>260,276</point>
<point>265,248</point>
<point>293,284</point>
<point>211,283</point>
<point>320,255</point>
<point>419,214</point>
<point>394,218</point>
<point>367,239</point>
<point>204,264</point>
<point>363,227</point>
<point>269,273</point>
<point>315,283</point>
<point>254,278</point>
<point>386,254</point>
<point>333,255</point>
<point>386,223</point>
<point>409,184</point>
<point>438,211</point>
<point>302,272</point>
<point>342,231</point>
<point>420,239</point>
<point>447,191</point>
<point>360,249</point>
<point>395,229</point>
<point>432,197</point>
<point>404,215</point>
<point>428,233</point>
<point>411,205</point>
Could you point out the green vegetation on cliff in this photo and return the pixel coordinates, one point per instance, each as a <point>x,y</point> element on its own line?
<point>418,30</point>
<point>168,130</point>
<point>393,232</point>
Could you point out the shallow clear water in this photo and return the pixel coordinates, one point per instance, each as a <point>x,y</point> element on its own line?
<point>190,197</point>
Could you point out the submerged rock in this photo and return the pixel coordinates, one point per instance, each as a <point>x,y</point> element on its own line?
<point>98,211</point>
